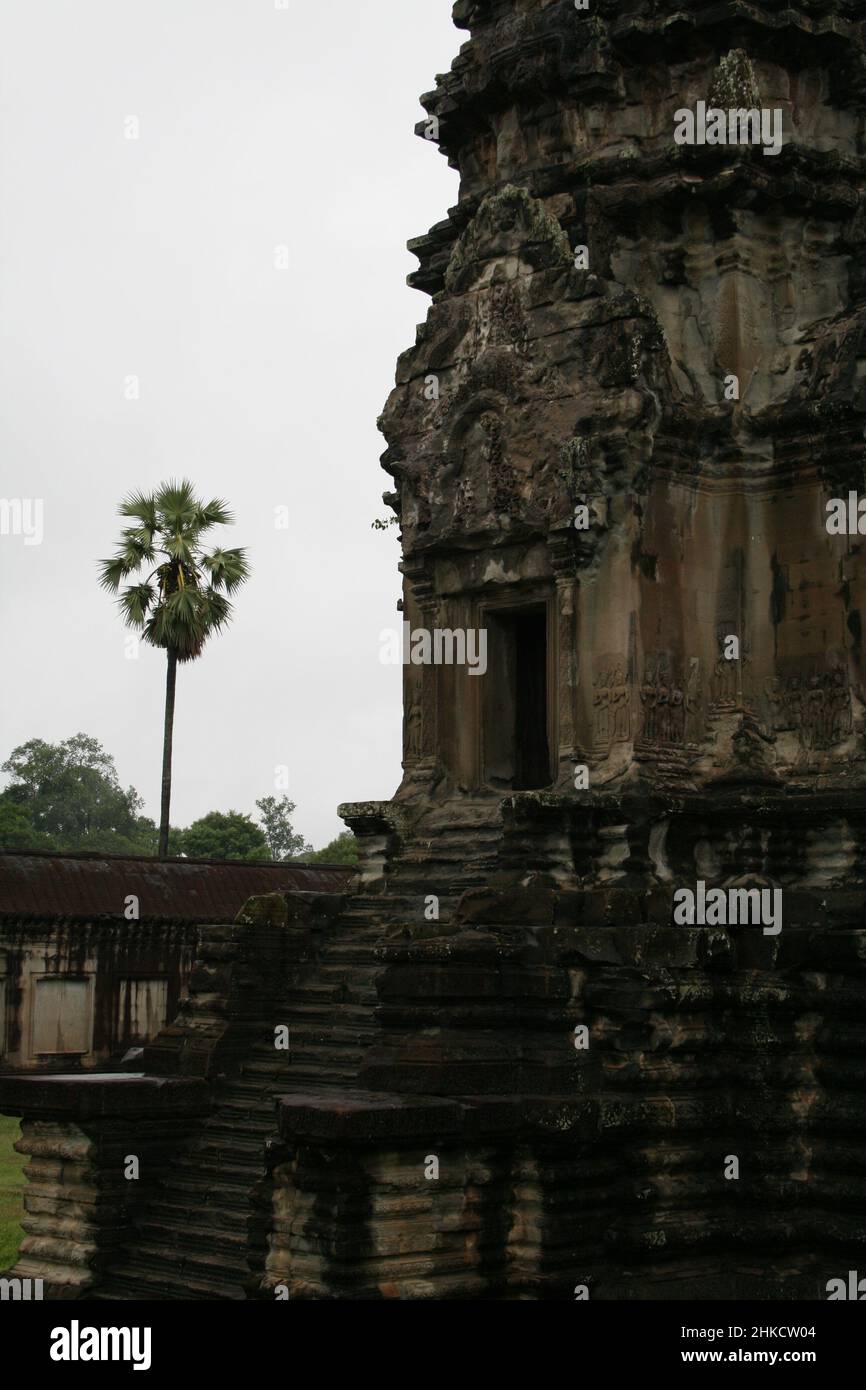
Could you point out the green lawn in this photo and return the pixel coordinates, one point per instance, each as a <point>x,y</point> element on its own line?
<point>11,1183</point>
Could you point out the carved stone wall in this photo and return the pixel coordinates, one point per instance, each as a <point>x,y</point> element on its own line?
<point>596,289</point>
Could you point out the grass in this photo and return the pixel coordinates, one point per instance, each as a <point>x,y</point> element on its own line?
<point>11,1185</point>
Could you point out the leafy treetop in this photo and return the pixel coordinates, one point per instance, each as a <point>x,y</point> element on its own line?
<point>183,599</point>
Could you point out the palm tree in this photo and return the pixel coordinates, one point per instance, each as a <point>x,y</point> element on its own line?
<point>182,602</point>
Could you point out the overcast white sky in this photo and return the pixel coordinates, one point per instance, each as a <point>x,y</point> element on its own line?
<point>259,127</point>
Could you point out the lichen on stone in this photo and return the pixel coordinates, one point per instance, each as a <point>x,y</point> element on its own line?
<point>734,84</point>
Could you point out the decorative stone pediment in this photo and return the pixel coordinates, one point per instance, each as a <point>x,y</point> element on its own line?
<point>510,228</point>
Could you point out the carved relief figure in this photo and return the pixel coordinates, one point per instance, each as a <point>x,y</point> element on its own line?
<point>621,707</point>
<point>412,722</point>
<point>648,700</point>
<point>677,715</point>
<point>501,483</point>
<point>612,707</point>
<point>582,478</point>
<point>665,702</point>
<point>775,699</point>
<point>795,708</point>
<point>464,497</point>
<point>815,705</point>
<point>840,701</point>
<point>692,718</point>
<point>499,319</point>
<point>662,709</point>
<point>507,319</point>
<point>601,703</point>
<point>476,482</point>
<point>725,681</point>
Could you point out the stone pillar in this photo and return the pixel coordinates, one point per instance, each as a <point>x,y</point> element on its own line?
<point>569,750</point>
<point>419,682</point>
<point>81,1134</point>
<point>382,1196</point>
<point>380,829</point>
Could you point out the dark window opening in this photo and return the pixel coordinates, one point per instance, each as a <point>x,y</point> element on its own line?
<point>516,749</point>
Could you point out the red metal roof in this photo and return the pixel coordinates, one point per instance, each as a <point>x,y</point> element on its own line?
<point>39,884</point>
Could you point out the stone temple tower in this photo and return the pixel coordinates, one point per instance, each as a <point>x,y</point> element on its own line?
<point>592,1014</point>
<point>637,388</point>
<point>617,446</point>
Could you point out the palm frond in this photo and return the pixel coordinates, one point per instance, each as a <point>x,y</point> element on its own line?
<point>135,603</point>
<point>216,610</point>
<point>112,573</point>
<point>141,505</point>
<point>228,568</point>
<point>141,536</point>
<point>179,547</point>
<point>176,504</point>
<point>175,623</point>
<point>134,550</point>
<point>216,512</point>
<point>182,607</point>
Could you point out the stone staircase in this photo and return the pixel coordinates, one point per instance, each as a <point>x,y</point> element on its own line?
<point>201,1236</point>
<point>447,858</point>
<point>196,1237</point>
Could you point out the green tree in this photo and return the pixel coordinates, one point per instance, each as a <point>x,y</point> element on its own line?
<point>184,599</point>
<point>70,797</point>
<point>225,835</point>
<point>342,850</point>
<point>276,820</point>
<point>16,828</point>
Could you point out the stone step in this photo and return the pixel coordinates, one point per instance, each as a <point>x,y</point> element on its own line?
<point>186,1188</point>
<point>440,825</point>
<point>361,922</point>
<point>310,1076</point>
<point>442,873</point>
<point>472,841</point>
<point>472,813</point>
<point>225,1174</point>
<point>323,1062</point>
<point>208,1176</point>
<point>360,956</point>
<point>367,915</point>
<point>175,1211</point>
<point>359,1004</point>
<point>248,1115</point>
<point>261,1073</point>
<point>205,1241</point>
<point>322,1011</point>
<point>306,1034</point>
<point>241,1150</point>
<point>239,1108</point>
<point>342,972</point>
<point>222,1134</point>
<point>445,875</point>
<point>327,993</point>
<point>334,992</point>
<point>214,1268</point>
<point>137,1285</point>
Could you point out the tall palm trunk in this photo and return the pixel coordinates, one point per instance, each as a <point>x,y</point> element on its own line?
<point>170,682</point>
